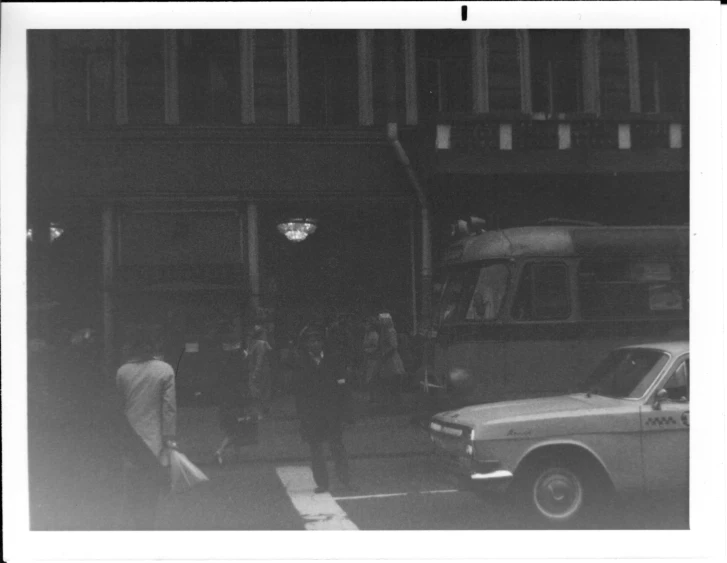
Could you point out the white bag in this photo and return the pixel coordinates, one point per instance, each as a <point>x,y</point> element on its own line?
<point>184,473</point>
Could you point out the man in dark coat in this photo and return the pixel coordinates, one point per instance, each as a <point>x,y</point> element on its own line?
<point>319,384</point>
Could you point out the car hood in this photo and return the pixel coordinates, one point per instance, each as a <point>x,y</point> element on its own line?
<point>529,409</point>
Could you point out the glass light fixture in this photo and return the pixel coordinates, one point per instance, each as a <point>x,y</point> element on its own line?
<point>297,230</point>
<point>55,231</point>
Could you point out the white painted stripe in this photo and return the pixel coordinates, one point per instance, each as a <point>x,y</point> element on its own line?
<point>361,497</point>
<point>319,511</point>
<point>387,495</point>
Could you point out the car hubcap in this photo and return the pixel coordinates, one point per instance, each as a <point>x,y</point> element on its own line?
<point>558,494</point>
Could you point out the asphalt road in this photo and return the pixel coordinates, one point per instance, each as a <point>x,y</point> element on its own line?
<point>403,493</point>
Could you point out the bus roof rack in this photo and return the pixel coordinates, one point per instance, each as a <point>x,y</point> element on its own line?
<point>555,221</point>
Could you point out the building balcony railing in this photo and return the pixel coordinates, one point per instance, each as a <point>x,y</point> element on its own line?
<point>476,134</point>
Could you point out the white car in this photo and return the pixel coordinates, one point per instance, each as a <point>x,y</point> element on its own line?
<point>628,432</point>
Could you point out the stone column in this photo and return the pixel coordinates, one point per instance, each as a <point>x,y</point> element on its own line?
<point>253,256</point>
<point>365,77</point>
<point>109,259</point>
<point>291,57</point>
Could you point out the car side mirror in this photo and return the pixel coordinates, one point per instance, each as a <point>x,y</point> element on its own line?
<point>661,396</point>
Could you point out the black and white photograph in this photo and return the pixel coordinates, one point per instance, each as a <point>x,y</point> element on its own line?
<point>303,271</point>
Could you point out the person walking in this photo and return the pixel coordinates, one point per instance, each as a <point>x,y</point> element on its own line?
<point>237,420</point>
<point>260,373</point>
<point>391,370</point>
<point>147,388</point>
<point>319,386</point>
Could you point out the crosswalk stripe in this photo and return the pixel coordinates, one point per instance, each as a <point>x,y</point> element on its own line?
<point>319,511</point>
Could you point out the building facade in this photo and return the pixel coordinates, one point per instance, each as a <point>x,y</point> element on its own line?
<point>168,157</point>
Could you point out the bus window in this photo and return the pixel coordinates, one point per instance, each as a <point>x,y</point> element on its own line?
<point>630,289</point>
<point>543,293</point>
<point>488,294</point>
<point>474,294</point>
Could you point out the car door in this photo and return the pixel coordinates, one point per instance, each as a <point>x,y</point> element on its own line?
<point>665,432</point>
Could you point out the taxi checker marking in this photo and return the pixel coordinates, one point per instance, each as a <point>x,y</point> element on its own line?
<point>660,421</point>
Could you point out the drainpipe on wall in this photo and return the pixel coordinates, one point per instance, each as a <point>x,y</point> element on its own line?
<point>392,131</point>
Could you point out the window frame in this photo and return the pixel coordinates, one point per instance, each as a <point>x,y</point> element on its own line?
<point>677,281</point>
<point>568,289</point>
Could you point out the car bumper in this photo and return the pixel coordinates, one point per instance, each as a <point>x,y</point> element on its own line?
<point>471,475</point>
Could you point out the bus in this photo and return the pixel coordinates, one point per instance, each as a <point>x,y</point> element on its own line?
<point>528,312</point>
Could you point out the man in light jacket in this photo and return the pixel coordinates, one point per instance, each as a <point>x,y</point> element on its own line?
<point>147,386</point>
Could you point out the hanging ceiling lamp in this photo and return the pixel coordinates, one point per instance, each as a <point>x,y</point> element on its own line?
<point>297,230</point>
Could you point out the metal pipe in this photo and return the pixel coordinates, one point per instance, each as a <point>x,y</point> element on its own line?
<point>393,137</point>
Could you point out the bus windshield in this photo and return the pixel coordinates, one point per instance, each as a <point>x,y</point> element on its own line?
<point>626,373</point>
<point>474,294</point>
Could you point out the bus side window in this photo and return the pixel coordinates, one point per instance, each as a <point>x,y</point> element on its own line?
<point>543,293</point>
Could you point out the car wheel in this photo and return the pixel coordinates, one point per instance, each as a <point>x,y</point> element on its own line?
<point>555,493</point>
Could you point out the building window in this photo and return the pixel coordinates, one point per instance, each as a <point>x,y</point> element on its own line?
<point>614,72</point>
<point>145,75</point>
<point>664,70</point>
<point>328,77</point>
<point>543,293</point>
<point>84,78</point>
<point>444,72</point>
<point>503,69</point>
<point>271,77</point>
<point>209,76</point>
<point>379,73</point>
<point>555,70</point>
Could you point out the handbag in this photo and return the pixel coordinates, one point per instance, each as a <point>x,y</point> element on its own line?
<point>184,474</point>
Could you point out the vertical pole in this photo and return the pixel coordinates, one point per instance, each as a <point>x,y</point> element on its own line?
<point>247,75</point>
<point>365,77</point>
<point>120,79</point>
<point>171,78</point>
<point>410,76</point>
<point>291,57</point>
<point>253,266</point>
<point>413,258</point>
<point>108,280</point>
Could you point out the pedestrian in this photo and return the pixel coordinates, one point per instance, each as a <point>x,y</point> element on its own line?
<point>260,374</point>
<point>371,359</point>
<point>320,391</point>
<point>391,367</point>
<point>237,419</point>
<point>147,388</point>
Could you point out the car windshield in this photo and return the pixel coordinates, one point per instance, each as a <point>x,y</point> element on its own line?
<point>474,294</point>
<point>626,373</point>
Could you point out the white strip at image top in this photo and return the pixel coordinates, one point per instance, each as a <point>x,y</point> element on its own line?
<point>319,511</point>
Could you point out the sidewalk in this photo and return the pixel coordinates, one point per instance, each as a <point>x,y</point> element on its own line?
<point>371,434</point>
